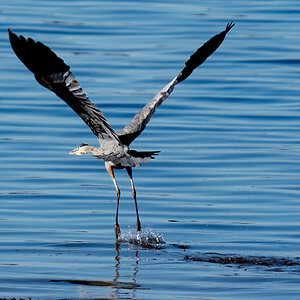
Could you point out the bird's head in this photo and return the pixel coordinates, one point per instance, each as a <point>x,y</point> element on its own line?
<point>81,149</point>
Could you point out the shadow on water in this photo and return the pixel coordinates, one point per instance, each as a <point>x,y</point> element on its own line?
<point>240,261</point>
<point>112,284</point>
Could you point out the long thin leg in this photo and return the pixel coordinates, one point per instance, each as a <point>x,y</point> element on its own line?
<point>138,223</point>
<point>112,175</point>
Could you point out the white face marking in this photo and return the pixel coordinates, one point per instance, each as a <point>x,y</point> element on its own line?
<point>75,152</point>
<point>79,150</point>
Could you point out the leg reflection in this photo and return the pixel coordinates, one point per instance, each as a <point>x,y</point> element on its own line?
<point>121,287</point>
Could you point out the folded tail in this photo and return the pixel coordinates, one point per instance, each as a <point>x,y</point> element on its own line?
<point>131,158</point>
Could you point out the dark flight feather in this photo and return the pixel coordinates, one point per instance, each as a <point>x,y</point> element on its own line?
<point>51,72</point>
<point>203,53</point>
<point>135,127</point>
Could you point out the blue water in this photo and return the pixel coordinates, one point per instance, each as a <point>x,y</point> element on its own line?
<point>220,205</point>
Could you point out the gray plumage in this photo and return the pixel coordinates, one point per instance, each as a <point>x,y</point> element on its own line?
<point>51,72</point>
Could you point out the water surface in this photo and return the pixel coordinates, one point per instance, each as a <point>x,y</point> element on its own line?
<point>222,197</point>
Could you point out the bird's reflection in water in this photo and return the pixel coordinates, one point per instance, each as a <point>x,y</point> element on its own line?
<point>132,285</point>
<point>119,288</point>
<point>123,288</point>
<point>144,240</point>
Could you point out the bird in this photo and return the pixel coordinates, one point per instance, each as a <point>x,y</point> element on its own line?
<point>54,74</point>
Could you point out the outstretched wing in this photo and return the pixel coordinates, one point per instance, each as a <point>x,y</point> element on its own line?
<point>134,128</point>
<point>51,72</point>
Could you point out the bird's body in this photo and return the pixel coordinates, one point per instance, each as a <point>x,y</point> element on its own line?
<point>51,72</point>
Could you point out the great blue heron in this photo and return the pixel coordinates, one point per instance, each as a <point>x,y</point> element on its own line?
<point>51,72</point>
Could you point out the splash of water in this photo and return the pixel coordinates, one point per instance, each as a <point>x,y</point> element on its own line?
<point>147,238</point>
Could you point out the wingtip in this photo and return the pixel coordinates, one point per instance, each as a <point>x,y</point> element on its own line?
<point>229,26</point>
<point>10,34</point>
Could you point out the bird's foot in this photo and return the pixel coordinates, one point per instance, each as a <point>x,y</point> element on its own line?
<point>138,226</point>
<point>117,231</point>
